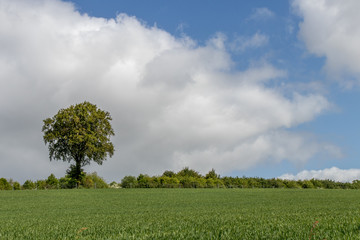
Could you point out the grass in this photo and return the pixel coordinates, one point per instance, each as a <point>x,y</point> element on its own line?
<point>180,214</point>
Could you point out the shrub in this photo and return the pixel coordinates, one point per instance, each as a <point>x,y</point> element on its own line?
<point>4,184</point>
<point>93,180</point>
<point>67,182</point>
<point>16,186</point>
<point>41,184</point>
<point>186,172</point>
<point>29,185</point>
<point>168,173</point>
<point>52,182</point>
<point>129,182</point>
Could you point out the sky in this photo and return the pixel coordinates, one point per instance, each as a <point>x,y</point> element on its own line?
<point>249,88</point>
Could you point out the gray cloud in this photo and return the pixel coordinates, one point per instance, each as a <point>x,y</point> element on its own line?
<point>173,103</point>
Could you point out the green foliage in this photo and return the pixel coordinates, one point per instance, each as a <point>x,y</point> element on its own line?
<point>41,184</point>
<point>4,184</point>
<point>169,182</point>
<point>16,186</point>
<point>186,178</point>
<point>212,174</point>
<point>186,172</point>
<point>79,133</point>
<point>75,175</point>
<point>94,181</point>
<point>144,181</point>
<point>168,173</point>
<point>180,214</point>
<point>28,185</point>
<point>67,183</point>
<point>306,184</point>
<point>52,182</point>
<point>129,182</point>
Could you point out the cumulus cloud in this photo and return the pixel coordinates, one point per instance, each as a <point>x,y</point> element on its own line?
<point>262,14</point>
<point>334,173</point>
<point>330,29</point>
<point>243,43</point>
<point>174,103</point>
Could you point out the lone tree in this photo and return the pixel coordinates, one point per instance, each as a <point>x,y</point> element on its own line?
<point>79,133</point>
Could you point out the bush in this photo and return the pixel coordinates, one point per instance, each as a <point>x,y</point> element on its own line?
<point>129,182</point>
<point>52,182</point>
<point>41,184</point>
<point>67,182</point>
<point>87,182</point>
<point>16,186</point>
<point>186,172</point>
<point>169,174</point>
<point>4,184</point>
<point>212,174</point>
<point>144,181</point>
<point>93,181</point>
<point>29,185</point>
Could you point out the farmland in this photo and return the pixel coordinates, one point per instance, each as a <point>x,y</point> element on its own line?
<point>180,214</point>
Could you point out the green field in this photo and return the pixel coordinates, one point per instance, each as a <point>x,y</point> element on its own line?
<point>180,214</point>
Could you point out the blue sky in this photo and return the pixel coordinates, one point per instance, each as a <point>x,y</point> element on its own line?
<point>200,20</point>
<point>254,88</point>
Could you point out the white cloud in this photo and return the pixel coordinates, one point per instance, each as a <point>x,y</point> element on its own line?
<point>334,173</point>
<point>242,43</point>
<point>330,29</point>
<point>262,14</point>
<point>173,102</point>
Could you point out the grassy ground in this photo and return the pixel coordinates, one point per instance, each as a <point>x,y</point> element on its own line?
<point>180,214</point>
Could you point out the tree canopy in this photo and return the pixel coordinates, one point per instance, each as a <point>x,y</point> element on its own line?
<point>80,133</point>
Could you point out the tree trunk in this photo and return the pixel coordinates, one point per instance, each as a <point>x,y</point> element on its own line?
<point>78,170</point>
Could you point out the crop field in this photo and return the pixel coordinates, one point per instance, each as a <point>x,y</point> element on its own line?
<point>180,214</point>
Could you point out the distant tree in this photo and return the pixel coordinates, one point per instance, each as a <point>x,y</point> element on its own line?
<point>4,184</point>
<point>95,180</point>
<point>67,182</point>
<point>356,184</point>
<point>210,183</point>
<point>168,173</point>
<point>29,185</point>
<point>212,174</point>
<point>306,184</point>
<point>41,184</point>
<point>16,185</point>
<point>186,172</point>
<point>329,184</point>
<point>144,181</point>
<point>129,182</point>
<point>291,184</point>
<point>317,183</point>
<point>80,133</point>
<point>87,182</point>
<point>52,182</point>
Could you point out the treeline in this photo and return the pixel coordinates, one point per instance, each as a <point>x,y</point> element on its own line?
<point>186,178</point>
<point>91,180</point>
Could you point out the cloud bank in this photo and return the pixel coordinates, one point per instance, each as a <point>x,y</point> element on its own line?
<point>174,103</point>
<point>334,173</point>
<point>330,29</point>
